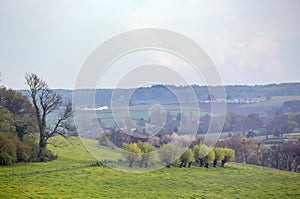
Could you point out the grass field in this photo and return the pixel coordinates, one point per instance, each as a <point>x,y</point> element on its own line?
<point>234,181</point>
<point>143,111</point>
<point>137,112</point>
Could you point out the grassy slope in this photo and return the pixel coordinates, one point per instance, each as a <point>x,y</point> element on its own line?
<point>235,181</point>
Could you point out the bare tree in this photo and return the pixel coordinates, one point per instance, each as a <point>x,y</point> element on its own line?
<point>46,101</point>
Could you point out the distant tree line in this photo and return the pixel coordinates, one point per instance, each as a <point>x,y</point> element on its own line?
<point>285,156</point>
<point>276,123</point>
<point>162,94</point>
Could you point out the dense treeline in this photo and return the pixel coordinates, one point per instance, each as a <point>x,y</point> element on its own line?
<point>276,124</point>
<point>284,156</point>
<point>164,95</point>
<point>17,124</point>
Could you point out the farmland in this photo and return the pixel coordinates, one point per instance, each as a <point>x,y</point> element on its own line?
<point>70,181</point>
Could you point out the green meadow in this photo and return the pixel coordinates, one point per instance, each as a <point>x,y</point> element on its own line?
<point>73,175</point>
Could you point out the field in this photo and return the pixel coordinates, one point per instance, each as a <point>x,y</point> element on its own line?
<point>63,179</point>
<point>136,113</point>
<point>144,111</point>
<point>264,107</point>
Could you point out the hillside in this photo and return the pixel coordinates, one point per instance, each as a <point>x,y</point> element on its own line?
<point>67,177</point>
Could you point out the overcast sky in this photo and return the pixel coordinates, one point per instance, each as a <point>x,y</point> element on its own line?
<point>250,42</point>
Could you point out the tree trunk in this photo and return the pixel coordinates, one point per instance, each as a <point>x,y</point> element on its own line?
<point>42,148</point>
<point>131,164</point>
<point>215,163</point>
<point>201,162</point>
<point>181,164</point>
<point>190,164</point>
<point>223,163</point>
<point>141,164</point>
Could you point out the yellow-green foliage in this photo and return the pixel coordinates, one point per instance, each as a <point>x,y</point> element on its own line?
<point>209,158</point>
<point>149,155</point>
<point>204,152</point>
<point>201,151</point>
<point>229,154</point>
<point>168,153</point>
<point>132,152</point>
<point>219,153</point>
<point>187,156</point>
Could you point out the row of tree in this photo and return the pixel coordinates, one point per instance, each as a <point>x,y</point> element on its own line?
<point>284,156</point>
<point>148,155</point>
<point>276,123</point>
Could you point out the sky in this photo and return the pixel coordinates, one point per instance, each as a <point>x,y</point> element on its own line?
<point>250,42</point>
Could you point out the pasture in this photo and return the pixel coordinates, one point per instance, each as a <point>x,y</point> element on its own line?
<point>71,181</point>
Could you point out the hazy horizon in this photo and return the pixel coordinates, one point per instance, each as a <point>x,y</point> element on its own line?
<point>165,85</point>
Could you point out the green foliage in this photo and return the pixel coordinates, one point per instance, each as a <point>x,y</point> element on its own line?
<point>168,153</point>
<point>46,155</point>
<point>228,155</point>
<point>6,121</point>
<point>210,157</point>
<point>149,155</point>
<point>104,140</point>
<point>20,110</point>
<point>201,151</point>
<point>7,150</point>
<point>187,157</point>
<point>219,153</point>
<point>17,127</point>
<point>204,154</point>
<point>132,153</point>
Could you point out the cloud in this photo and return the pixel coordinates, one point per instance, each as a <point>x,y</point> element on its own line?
<point>245,39</point>
<point>264,46</point>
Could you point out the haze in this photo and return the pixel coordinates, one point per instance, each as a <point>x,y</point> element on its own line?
<point>250,42</point>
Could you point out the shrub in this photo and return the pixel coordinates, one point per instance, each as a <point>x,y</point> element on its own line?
<point>187,158</point>
<point>168,153</point>
<point>8,150</point>
<point>228,155</point>
<point>219,155</point>
<point>133,153</point>
<point>149,154</point>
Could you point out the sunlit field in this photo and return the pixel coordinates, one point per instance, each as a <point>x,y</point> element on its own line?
<point>74,175</point>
